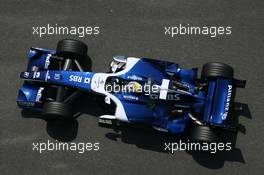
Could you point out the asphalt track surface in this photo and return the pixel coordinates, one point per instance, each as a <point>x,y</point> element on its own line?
<point>131,28</point>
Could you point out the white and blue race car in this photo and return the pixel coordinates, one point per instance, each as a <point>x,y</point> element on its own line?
<point>143,90</point>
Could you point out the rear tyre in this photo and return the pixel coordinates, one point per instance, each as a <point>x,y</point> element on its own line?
<point>73,49</point>
<point>203,134</point>
<point>57,110</point>
<point>211,70</point>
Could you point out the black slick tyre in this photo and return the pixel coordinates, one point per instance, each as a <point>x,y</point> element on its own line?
<point>211,70</point>
<point>73,49</point>
<point>57,110</point>
<point>203,134</point>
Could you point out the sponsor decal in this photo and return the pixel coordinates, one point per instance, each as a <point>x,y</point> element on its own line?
<point>79,79</point>
<point>169,97</point>
<point>26,103</point>
<point>130,97</point>
<point>47,62</point>
<point>134,77</point>
<point>228,99</point>
<point>57,76</point>
<point>39,94</point>
<point>75,78</point>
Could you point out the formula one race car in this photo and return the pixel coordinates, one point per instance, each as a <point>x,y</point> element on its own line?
<point>147,91</point>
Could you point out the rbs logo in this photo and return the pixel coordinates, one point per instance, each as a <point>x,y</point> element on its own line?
<point>75,78</point>
<point>79,79</point>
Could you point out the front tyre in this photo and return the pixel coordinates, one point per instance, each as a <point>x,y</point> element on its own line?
<point>72,49</point>
<point>57,110</point>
